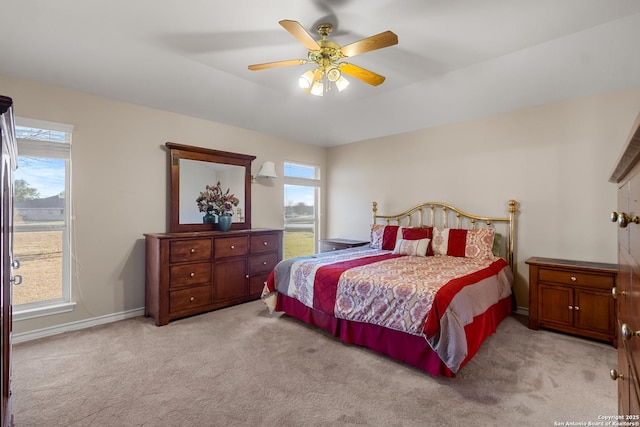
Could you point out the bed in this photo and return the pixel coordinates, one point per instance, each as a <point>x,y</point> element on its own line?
<point>432,284</point>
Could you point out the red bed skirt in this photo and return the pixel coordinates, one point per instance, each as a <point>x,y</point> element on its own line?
<point>410,349</point>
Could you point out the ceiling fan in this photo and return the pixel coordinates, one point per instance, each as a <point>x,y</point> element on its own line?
<point>327,56</point>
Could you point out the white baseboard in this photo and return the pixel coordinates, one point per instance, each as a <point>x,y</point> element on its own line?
<point>523,311</point>
<point>74,326</point>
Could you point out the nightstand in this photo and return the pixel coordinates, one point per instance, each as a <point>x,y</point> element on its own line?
<point>329,245</point>
<point>573,297</point>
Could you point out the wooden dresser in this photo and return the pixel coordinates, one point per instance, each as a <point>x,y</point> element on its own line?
<point>627,216</point>
<point>191,273</point>
<point>573,297</point>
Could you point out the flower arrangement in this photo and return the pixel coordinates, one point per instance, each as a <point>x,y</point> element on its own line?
<point>213,200</point>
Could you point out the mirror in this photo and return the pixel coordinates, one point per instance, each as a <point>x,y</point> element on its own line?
<point>191,170</point>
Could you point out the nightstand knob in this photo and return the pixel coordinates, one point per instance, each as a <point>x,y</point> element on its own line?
<point>192,274</point>
<point>233,247</point>
<point>192,298</point>
<point>573,278</point>
<point>615,375</point>
<point>193,251</point>
<point>265,243</point>
<point>627,332</point>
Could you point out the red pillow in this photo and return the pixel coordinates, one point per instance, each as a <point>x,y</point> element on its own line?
<point>384,236</point>
<point>417,233</point>
<point>476,243</point>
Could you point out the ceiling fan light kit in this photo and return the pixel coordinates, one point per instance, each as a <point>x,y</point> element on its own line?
<point>326,54</point>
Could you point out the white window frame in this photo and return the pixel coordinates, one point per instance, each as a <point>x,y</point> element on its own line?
<point>46,149</point>
<point>307,182</point>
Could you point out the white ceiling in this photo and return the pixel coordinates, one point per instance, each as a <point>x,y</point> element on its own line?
<point>455,60</point>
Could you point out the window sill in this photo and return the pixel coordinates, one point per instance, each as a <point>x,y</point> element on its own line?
<point>44,310</point>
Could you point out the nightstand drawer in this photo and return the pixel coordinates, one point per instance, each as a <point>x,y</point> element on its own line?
<point>575,278</point>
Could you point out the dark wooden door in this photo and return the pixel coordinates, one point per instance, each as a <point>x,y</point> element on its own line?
<point>7,136</point>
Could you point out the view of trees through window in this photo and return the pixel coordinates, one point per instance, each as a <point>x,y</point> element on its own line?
<point>40,221</point>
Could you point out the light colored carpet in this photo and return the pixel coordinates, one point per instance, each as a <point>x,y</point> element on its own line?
<point>242,367</point>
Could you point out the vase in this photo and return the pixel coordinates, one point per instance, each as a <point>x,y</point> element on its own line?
<point>209,218</point>
<point>224,222</point>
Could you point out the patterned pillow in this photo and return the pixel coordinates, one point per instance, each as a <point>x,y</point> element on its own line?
<point>477,243</point>
<point>384,236</point>
<point>411,247</point>
<point>416,233</point>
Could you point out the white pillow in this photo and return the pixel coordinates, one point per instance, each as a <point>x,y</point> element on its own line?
<point>411,247</point>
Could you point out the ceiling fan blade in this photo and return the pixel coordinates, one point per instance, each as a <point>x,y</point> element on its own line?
<point>386,39</point>
<point>266,65</point>
<point>361,73</point>
<point>298,31</point>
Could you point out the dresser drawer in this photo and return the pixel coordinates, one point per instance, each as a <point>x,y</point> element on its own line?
<point>231,246</point>
<point>576,278</point>
<point>187,299</point>
<point>264,243</point>
<point>262,263</point>
<point>189,274</point>
<point>189,250</point>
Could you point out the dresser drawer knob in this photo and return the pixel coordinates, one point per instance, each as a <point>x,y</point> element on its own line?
<point>264,262</point>
<point>576,308</point>
<point>615,375</point>
<point>193,251</point>
<point>192,274</point>
<point>573,278</point>
<point>246,276</point>
<point>570,307</point>
<point>192,299</point>
<point>627,332</point>
<point>265,243</point>
<point>233,247</point>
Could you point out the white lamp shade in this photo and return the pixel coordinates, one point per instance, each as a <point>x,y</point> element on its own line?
<point>268,170</point>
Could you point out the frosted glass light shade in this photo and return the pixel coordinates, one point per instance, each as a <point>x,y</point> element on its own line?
<point>342,84</point>
<point>305,80</point>
<point>317,89</point>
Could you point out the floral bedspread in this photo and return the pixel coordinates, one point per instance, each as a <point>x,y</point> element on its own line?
<point>434,296</point>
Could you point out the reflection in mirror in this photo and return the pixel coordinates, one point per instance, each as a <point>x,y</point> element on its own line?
<point>191,170</point>
<point>195,175</point>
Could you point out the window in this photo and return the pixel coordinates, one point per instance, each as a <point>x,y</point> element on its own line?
<point>301,207</point>
<point>41,239</point>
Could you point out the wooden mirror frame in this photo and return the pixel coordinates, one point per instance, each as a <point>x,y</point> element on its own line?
<point>180,151</point>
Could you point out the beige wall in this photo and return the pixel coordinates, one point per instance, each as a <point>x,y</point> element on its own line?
<point>119,186</point>
<point>555,160</point>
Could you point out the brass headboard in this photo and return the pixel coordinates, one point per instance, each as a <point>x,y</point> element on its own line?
<point>439,214</point>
